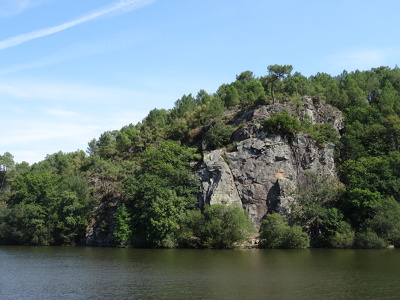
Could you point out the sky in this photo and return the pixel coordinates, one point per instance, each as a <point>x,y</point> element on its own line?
<point>71,69</point>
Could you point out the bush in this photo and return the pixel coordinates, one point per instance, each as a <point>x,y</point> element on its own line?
<point>225,225</point>
<point>386,221</point>
<point>218,136</point>
<point>368,239</point>
<point>323,133</point>
<point>282,124</point>
<point>190,229</point>
<point>343,237</point>
<point>276,233</point>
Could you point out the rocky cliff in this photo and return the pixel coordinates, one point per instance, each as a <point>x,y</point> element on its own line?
<point>263,170</point>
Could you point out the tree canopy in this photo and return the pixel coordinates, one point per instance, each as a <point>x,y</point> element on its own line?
<point>135,186</point>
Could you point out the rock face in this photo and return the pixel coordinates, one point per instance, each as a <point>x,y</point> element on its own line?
<point>263,172</point>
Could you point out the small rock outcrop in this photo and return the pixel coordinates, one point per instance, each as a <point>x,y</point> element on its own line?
<point>264,171</point>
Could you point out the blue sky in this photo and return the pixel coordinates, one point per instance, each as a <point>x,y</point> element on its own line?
<point>70,70</point>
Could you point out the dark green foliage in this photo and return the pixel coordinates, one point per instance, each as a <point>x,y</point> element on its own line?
<point>314,209</point>
<point>190,229</point>
<point>225,225</point>
<point>376,174</point>
<point>282,124</point>
<point>342,237</point>
<point>334,232</point>
<point>219,226</point>
<point>323,133</point>
<point>218,136</point>
<point>229,95</point>
<point>276,233</point>
<point>386,221</point>
<point>359,204</point>
<point>7,166</point>
<point>122,222</point>
<point>298,85</point>
<point>125,139</point>
<point>184,106</point>
<point>276,73</point>
<point>52,202</point>
<point>160,193</point>
<point>47,208</point>
<point>368,239</point>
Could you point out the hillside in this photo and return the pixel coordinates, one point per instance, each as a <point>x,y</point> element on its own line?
<point>322,152</point>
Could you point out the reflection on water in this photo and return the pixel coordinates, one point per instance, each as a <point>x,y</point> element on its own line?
<point>110,273</point>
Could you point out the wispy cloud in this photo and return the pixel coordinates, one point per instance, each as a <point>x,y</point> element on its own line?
<point>363,58</point>
<point>60,113</point>
<point>122,6</point>
<point>83,48</point>
<point>10,8</point>
<point>71,92</point>
<point>33,133</point>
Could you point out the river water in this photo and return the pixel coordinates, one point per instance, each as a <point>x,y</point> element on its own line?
<point>112,273</point>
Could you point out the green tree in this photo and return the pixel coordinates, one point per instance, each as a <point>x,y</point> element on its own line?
<point>277,72</point>
<point>229,95</point>
<point>298,85</point>
<point>312,209</point>
<point>190,229</point>
<point>355,95</point>
<point>245,76</point>
<point>225,225</point>
<point>276,233</point>
<point>385,221</point>
<point>376,174</point>
<point>47,208</point>
<point>122,223</point>
<point>184,106</point>
<point>106,144</point>
<point>126,139</point>
<point>323,133</point>
<point>6,166</point>
<point>210,108</point>
<point>160,193</point>
<point>360,204</point>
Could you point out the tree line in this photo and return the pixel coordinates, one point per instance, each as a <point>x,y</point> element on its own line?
<point>136,185</point>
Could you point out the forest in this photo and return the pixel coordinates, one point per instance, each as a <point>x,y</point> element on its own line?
<point>137,187</point>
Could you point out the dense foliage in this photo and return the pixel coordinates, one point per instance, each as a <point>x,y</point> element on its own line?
<point>135,185</point>
<point>276,233</point>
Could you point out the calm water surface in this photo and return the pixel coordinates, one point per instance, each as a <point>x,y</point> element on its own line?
<point>109,273</point>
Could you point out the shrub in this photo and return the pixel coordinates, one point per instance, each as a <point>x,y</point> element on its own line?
<point>283,124</point>
<point>323,133</point>
<point>224,226</point>
<point>219,136</point>
<point>343,237</point>
<point>368,239</point>
<point>386,221</point>
<point>190,229</point>
<point>276,233</point>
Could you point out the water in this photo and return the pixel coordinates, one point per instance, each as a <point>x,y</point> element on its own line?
<point>110,273</point>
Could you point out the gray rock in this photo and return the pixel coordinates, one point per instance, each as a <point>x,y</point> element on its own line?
<point>264,172</point>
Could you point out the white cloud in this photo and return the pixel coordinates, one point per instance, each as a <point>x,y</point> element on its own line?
<point>82,49</point>
<point>10,8</point>
<point>31,137</point>
<point>40,121</point>
<point>362,59</point>
<point>60,113</point>
<point>71,92</point>
<point>29,156</point>
<point>122,6</point>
